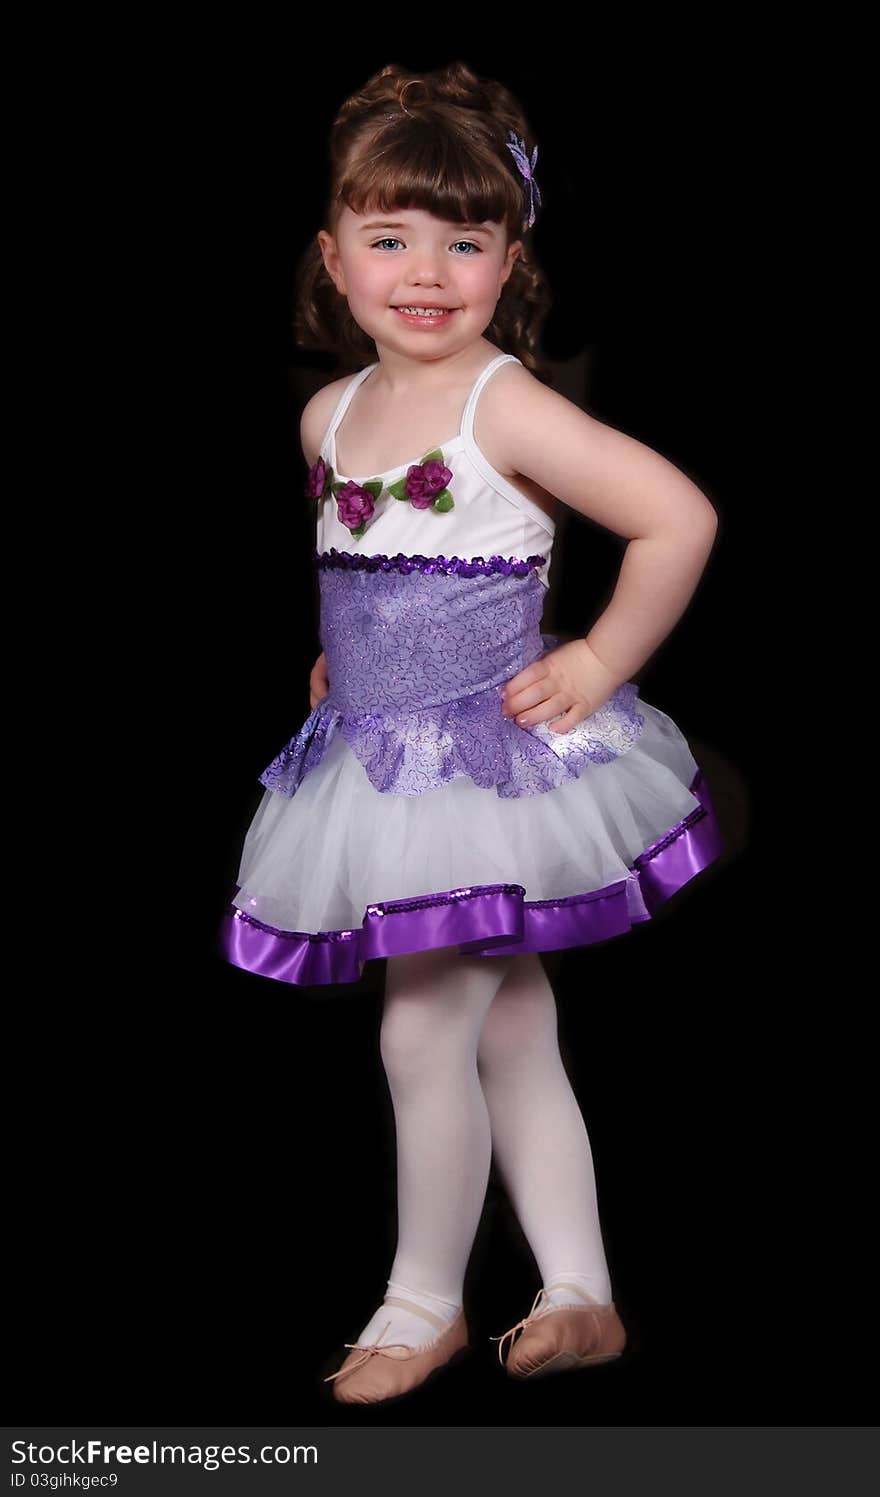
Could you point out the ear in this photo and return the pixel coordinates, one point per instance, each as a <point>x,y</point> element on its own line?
<point>513,251</point>
<point>330,256</point>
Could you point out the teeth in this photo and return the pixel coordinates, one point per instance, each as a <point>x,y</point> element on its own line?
<point>425,311</point>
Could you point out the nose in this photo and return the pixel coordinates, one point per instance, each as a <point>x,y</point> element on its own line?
<point>426,270</point>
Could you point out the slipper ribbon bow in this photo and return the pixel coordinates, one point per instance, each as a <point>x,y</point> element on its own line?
<point>520,1326</point>
<point>369,1351</point>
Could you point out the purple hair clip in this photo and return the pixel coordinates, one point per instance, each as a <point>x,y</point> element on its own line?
<point>517,148</point>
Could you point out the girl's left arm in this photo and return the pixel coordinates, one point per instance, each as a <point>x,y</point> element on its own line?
<point>631,490</point>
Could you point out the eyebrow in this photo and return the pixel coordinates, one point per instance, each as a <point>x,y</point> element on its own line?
<point>472,228</point>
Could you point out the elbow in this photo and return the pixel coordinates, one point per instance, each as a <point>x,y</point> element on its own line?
<point>696,528</point>
<point>692,535</point>
<point>703,527</point>
<point>712,529</point>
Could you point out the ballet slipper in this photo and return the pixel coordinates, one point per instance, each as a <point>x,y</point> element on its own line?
<point>377,1373</point>
<point>562,1338</point>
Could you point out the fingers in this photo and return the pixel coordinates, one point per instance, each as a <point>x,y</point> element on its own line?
<point>568,720</point>
<point>553,706</point>
<point>515,702</point>
<point>528,686</point>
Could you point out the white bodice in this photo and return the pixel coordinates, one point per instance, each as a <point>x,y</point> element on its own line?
<point>491,516</point>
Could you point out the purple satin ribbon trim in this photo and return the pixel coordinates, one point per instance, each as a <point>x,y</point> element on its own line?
<point>675,858</point>
<point>482,913</point>
<point>481,920</point>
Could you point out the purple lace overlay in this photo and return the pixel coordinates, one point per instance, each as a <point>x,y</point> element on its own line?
<point>483,919</point>
<point>417,662</point>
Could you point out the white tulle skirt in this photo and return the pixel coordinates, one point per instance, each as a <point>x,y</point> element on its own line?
<point>315,861</point>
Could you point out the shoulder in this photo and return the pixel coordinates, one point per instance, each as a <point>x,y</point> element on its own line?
<point>512,392</point>
<point>317,414</point>
<point>534,428</point>
<point>511,399</point>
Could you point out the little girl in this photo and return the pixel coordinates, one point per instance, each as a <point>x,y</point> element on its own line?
<point>466,792</point>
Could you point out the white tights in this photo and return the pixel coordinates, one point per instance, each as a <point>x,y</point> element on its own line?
<point>470,1050</point>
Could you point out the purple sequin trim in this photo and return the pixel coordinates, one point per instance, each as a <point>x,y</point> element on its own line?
<point>448,566</point>
<point>431,901</point>
<point>682,826</point>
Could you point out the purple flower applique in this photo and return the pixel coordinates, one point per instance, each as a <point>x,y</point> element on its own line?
<point>424,487</point>
<point>318,481</point>
<point>425,484</point>
<point>355,504</point>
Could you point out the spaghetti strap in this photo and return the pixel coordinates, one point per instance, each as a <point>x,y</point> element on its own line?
<point>344,402</point>
<point>546,525</point>
<point>467,420</point>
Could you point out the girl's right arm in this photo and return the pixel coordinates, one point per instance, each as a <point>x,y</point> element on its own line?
<point>313,424</point>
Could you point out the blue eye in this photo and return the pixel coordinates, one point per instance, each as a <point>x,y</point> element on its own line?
<point>391,239</point>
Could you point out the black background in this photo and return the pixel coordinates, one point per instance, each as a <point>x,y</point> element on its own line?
<point>202,1181</point>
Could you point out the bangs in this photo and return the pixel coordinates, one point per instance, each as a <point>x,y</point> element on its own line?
<point>430,171</point>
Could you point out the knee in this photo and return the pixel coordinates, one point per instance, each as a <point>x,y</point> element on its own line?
<point>409,1043</point>
<point>522,1020</point>
<point>506,1033</point>
<point>435,1006</point>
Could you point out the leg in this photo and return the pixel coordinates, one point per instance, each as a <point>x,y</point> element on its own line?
<point>435,1006</point>
<point>538,1133</point>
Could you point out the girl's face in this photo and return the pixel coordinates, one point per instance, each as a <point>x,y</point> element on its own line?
<point>407,257</point>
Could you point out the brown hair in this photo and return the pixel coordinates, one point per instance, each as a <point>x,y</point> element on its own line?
<point>435,141</point>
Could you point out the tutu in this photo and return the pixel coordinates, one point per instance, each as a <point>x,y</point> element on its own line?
<point>408,814</point>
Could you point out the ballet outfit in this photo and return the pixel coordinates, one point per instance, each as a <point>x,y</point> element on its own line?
<point>407,814</point>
